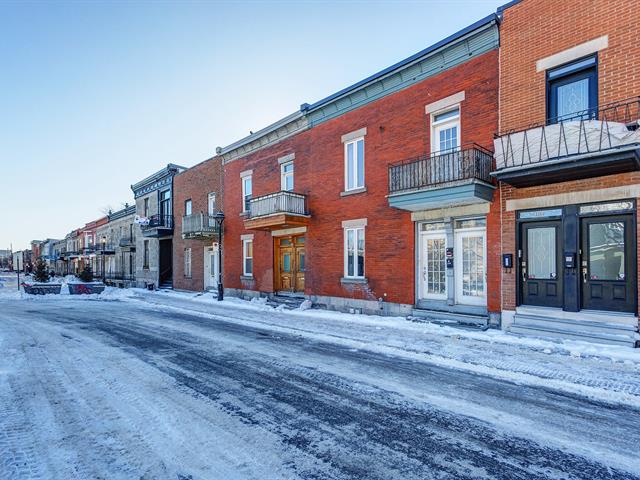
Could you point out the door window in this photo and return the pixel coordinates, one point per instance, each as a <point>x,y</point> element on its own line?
<point>606,251</point>
<point>212,264</point>
<point>286,262</point>
<point>473,266</point>
<point>435,281</point>
<point>445,131</point>
<point>541,252</point>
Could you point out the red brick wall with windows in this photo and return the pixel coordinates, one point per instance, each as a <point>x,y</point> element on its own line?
<point>195,184</point>
<point>535,29</point>
<point>397,129</point>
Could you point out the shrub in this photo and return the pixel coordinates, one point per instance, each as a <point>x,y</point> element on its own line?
<point>86,275</point>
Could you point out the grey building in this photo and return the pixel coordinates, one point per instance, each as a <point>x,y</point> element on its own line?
<point>154,228</point>
<point>117,248</point>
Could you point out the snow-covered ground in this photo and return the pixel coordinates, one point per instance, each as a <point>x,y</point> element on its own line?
<point>137,384</point>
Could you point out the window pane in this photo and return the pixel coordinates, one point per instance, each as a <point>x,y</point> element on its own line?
<point>287,168</point>
<point>350,252</point>
<point>249,249</point>
<point>286,262</point>
<point>350,167</point>
<point>606,251</point>
<point>360,233</point>
<point>573,97</point>
<point>446,115</point>
<point>473,266</point>
<point>360,163</point>
<point>301,262</point>
<point>247,185</point>
<point>288,184</point>
<point>248,266</point>
<point>541,255</point>
<point>435,268</point>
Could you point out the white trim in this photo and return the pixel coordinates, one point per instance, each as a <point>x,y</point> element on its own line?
<point>288,231</point>
<point>444,103</point>
<point>244,193</point>
<point>287,158</point>
<point>573,53</point>
<point>356,234</point>
<point>246,173</point>
<point>357,223</point>
<point>245,242</point>
<point>347,137</point>
<point>284,175</point>
<point>445,124</point>
<point>356,172</point>
<point>246,236</point>
<point>459,234</point>
<point>570,198</point>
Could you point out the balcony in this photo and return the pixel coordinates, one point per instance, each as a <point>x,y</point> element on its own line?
<point>127,244</point>
<point>587,144</point>
<point>277,210</point>
<point>158,226</point>
<point>199,226</point>
<point>460,177</point>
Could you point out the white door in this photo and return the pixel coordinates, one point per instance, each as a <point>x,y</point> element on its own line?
<point>470,267</point>
<point>210,268</point>
<point>433,268</point>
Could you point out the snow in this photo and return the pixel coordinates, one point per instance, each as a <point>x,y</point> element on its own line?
<point>139,384</point>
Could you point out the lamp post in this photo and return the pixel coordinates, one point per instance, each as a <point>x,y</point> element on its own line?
<point>103,240</point>
<point>219,218</point>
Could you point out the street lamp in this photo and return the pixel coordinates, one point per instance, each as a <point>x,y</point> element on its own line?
<point>219,218</point>
<point>103,240</point>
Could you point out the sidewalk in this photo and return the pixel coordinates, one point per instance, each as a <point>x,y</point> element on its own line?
<point>601,372</point>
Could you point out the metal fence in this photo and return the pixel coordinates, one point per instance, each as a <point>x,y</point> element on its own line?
<point>199,223</point>
<point>470,162</point>
<point>279,202</point>
<point>159,221</point>
<point>594,130</point>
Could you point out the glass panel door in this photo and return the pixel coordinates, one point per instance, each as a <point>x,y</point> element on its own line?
<point>541,273</point>
<point>433,271</point>
<point>470,267</point>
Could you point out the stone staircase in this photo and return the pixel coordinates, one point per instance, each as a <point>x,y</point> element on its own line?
<point>285,301</point>
<point>166,285</point>
<point>464,320</point>
<point>598,327</point>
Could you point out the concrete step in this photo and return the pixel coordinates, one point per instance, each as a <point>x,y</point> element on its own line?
<point>561,333</point>
<point>289,302</point>
<point>574,325</point>
<point>449,318</point>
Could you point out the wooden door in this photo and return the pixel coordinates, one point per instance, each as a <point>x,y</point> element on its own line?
<point>290,264</point>
<point>299,263</point>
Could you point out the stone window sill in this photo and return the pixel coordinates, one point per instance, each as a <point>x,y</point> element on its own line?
<point>357,280</point>
<point>246,277</point>
<point>353,192</point>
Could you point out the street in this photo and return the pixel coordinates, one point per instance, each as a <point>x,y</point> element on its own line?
<point>123,389</point>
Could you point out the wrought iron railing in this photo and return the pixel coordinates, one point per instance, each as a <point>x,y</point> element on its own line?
<point>278,202</point>
<point>129,241</point>
<point>200,223</point>
<point>470,162</point>
<point>608,127</point>
<point>159,221</point>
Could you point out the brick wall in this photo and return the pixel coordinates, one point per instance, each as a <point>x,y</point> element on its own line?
<point>397,129</point>
<point>535,29</point>
<point>195,184</point>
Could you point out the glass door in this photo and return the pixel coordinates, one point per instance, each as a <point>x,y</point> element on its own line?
<point>433,269</point>
<point>470,267</point>
<point>540,266</point>
<point>608,265</point>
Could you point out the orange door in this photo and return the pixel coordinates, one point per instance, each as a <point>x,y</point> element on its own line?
<point>290,264</point>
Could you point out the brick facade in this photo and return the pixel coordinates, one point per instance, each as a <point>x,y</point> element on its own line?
<point>194,184</point>
<point>397,129</point>
<point>535,29</point>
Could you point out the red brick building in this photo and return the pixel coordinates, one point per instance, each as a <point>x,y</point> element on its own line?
<point>197,197</point>
<point>379,197</point>
<point>567,159</point>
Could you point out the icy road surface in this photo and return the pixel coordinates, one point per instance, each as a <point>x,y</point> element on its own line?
<point>129,390</point>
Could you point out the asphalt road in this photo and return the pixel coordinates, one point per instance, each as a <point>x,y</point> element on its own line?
<point>95,389</point>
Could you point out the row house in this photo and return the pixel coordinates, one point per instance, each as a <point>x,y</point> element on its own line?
<point>154,235</point>
<point>567,160</point>
<point>197,205</point>
<point>116,260</point>
<point>68,263</point>
<point>89,246</point>
<point>378,198</point>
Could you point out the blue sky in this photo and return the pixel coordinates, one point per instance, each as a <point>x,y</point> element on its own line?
<point>95,96</point>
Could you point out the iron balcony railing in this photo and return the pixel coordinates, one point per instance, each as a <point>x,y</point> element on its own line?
<point>129,241</point>
<point>278,202</point>
<point>608,127</point>
<point>199,223</point>
<point>159,221</point>
<point>470,162</point>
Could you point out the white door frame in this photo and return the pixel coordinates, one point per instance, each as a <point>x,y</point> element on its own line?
<point>424,236</point>
<point>459,234</point>
<point>210,278</point>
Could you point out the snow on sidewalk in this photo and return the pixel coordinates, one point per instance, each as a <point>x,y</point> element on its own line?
<point>602,372</point>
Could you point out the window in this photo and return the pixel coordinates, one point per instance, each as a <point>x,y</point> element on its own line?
<point>145,257</point>
<point>286,176</point>
<point>354,164</point>
<point>445,131</point>
<point>146,207</point>
<point>246,192</point>
<point>187,207</point>
<point>211,203</point>
<point>187,262</point>
<point>354,252</point>
<point>247,257</point>
<point>572,90</point>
